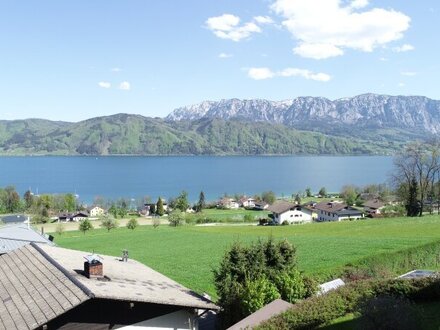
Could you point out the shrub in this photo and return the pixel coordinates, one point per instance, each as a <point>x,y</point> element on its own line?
<point>132,224</point>
<point>85,225</point>
<point>156,222</point>
<point>176,218</point>
<point>258,293</point>
<point>109,223</point>
<point>248,218</point>
<point>59,228</point>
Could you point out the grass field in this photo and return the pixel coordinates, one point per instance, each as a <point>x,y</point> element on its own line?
<point>187,254</point>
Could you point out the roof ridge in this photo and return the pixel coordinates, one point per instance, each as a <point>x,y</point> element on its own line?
<point>83,288</point>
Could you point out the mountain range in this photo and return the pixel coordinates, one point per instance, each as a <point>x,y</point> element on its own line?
<point>364,124</point>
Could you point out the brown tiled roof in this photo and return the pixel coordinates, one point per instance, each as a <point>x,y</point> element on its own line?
<point>374,204</point>
<point>281,207</point>
<point>330,206</point>
<point>275,307</point>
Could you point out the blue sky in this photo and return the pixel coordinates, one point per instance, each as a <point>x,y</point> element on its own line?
<point>72,60</point>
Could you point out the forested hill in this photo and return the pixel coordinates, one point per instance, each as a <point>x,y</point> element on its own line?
<point>125,134</point>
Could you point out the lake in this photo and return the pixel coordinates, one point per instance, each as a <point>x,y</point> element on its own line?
<point>134,177</point>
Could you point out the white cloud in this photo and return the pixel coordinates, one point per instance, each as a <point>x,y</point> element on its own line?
<point>357,4</point>
<point>224,55</point>
<point>115,69</point>
<point>125,86</point>
<point>401,84</point>
<point>403,48</point>
<point>266,73</point>
<point>408,73</point>
<point>324,28</point>
<point>104,84</point>
<point>260,73</point>
<point>294,72</point>
<point>228,26</point>
<point>263,19</point>
<point>383,59</point>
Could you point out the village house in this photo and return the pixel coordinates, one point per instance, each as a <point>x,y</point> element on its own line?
<point>373,206</point>
<point>228,203</point>
<point>96,211</point>
<point>261,206</point>
<point>292,213</point>
<point>337,211</point>
<point>247,202</point>
<point>76,216</point>
<point>56,288</point>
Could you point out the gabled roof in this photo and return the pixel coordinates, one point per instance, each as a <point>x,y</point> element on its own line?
<point>374,204</point>
<point>33,291</point>
<point>15,236</point>
<point>330,206</point>
<point>39,282</point>
<point>349,211</point>
<point>129,281</point>
<point>281,207</point>
<point>274,308</point>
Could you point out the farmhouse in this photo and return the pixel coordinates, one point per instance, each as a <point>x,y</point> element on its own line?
<point>228,203</point>
<point>337,211</point>
<point>77,216</point>
<point>292,213</point>
<point>247,202</point>
<point>46,287</point>
<point>96,211</point>
<point>373,206</point>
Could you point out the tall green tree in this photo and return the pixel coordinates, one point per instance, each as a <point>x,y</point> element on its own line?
<point>85,225</point>
<point>69,202</point>
<point>268,197</point>
<point>322,192</point>
<point>412,204</point>
<point>159,207</point>
<point>28,199</point>
<point>181,201</point>
<point>308,192</point>
<point>201,203</point>
<point>10,199</point>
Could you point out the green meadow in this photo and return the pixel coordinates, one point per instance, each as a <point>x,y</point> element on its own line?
<point>188,254</point>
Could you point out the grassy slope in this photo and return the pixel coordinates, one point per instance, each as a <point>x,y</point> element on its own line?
<point>188,254</point>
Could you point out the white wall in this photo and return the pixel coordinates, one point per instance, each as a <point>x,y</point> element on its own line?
<point>294,216</point>
<point>180,320</point>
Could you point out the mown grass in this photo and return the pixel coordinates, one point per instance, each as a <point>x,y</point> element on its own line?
<point>187,254</point>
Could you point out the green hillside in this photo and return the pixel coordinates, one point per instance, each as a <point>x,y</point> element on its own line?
<point>124,134</point>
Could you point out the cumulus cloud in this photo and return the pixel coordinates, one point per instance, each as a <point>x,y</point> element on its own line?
<point>326,28</point>
<point>125,86</point>
<point>224,55</point>
<point>403,48</point>
<point>104,84</point>
<point>228,26</point>
<point>266,73</point>
<point>263,19</point>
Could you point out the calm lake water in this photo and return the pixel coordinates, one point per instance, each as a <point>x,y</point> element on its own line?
<point>134,177</point>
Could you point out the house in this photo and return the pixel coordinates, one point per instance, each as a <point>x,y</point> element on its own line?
<point>337,211</point>
<point>14,236</point>
<point>373,206</point>
<point>261,206</point>
<point>96,211</point>
<point>47,287</point>
<point>247,202</point>
<point>228,203</point>
<point>76,216</point>
<point>292,213</point>
<point>276,307</point>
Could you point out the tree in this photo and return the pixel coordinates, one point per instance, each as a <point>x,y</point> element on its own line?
<point>412,205</point>
<point>159,207</point>
<point>113,210</point>
<point>10,199</point>
<point>298,199</point>
<point>308,192</point>
<point>69,202</point>
<point>176,218</point>
<point>132,224</point>
<point>251,276</point>
<point>59,228</point>
<point>268,197</point>
<point>109,223</point>
<point>201,203</point>
<point>153,209</point>
<point>322,192</point>
<point>181,201</point>
<point>85,225</point>
<point>419,162</point>
<point>28,199</point>
<point>350,194</point>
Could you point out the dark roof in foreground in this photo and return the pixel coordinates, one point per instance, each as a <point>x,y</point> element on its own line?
<point>33,291</point>
<point>15,236</point>
<point>275,307</point>
<point>39,282</point>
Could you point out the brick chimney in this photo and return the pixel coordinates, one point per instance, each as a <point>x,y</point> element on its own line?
<point>93,267</point>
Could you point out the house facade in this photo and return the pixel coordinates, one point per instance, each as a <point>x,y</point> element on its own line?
<point>336,211</point>
<point>292,213</point>
<point>96,211</point>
